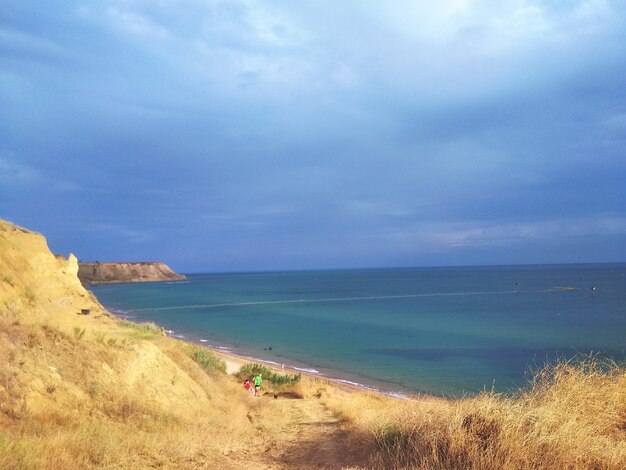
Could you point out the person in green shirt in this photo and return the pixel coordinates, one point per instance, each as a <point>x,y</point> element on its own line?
<point>257,384</point>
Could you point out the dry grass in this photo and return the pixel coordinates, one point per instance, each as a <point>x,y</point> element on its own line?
<point>572,416</point>
<point>70,401</point>
<point>82,391</point>
<point>106,443</point>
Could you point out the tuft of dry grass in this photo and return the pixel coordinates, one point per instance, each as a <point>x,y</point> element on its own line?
<point>86,415</point>
<point>573,415</point>
<point>145,330</point>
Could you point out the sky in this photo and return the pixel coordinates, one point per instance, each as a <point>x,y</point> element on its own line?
<point>249,135</point>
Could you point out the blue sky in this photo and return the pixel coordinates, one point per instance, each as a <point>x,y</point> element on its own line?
<point>241,135</point>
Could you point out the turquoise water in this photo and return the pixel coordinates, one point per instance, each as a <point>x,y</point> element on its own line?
<point>436,330</point>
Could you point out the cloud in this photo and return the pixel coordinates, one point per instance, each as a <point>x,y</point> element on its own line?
<point>23,45</point>
<point>136,24</point>
<point>315,132</point>
<point>13,173</point>
<point>24,177</point>
<point>490,234</point>
<point>122,233</point>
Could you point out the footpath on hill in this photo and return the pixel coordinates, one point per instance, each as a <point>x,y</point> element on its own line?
<point>295,433</point>
<point>82,389</point>
<point>300,434</point>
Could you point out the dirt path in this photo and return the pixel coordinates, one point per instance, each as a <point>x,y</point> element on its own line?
<point>302,434</point>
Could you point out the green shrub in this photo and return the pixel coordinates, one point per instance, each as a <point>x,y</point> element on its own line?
<point>277,380</point>
<point>79,333</point>
<point>207,360</point>
<point>146,330</point>
<point>100,337</point>
<point>30,295</point>
<point>94,389</point>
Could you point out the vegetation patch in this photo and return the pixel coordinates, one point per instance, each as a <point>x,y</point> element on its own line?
<point>94,389</point>
<point>79,332</point>
<point>146,330</point>
<point>100,338</point>
<point>278,381</point>
<point>207,360</point>
<point>571,416</point>
<point>30,295</point>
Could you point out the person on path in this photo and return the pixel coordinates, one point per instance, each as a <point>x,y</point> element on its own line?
<point>248,385</point>
<point>257,384</point>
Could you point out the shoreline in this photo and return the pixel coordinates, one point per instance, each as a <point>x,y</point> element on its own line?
<point>234,359</point>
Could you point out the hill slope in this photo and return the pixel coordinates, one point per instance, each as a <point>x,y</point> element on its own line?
<point>91,391</point>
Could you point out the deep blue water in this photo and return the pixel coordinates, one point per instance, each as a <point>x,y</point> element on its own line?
<point>436,330</point>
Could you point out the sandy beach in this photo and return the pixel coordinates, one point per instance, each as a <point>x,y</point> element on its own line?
<point>234,362</point>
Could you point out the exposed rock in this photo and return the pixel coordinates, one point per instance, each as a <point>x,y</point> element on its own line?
<point>106,273</point>
<point>31,278</point>
<point>56,361</point>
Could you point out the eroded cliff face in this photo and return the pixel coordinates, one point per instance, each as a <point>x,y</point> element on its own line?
<point>105,273</point>
<point>32,278</point>
<point>62,354</point>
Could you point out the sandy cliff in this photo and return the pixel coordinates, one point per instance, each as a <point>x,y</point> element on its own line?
<point>61,365</point>
<point>104,273</point>
<point>50,344</point>
<point>90,391</point>
<point>34,281</point>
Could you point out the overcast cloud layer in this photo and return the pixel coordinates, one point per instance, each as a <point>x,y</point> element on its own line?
<point>243,135</point>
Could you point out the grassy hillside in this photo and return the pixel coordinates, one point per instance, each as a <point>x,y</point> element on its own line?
<point>84,390</point>
<point>573,416</point>
<point>91,391</point>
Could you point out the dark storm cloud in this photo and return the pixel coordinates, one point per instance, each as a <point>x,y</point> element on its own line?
<point>316,134</point>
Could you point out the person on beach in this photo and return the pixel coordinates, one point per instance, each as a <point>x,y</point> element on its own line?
<point>248,385</point>
<point>257,384</point>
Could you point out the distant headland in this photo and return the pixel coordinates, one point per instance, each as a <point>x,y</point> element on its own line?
<point>110,272</point>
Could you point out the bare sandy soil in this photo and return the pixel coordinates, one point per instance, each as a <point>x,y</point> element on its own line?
<point>298,434</point>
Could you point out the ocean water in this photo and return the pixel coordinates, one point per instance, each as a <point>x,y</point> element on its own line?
<point>444,331</point>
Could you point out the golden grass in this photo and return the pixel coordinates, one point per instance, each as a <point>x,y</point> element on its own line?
<point>106,443</point>
<point>83,391</point>
<point>82,414</point>
<point>69,401</point>
<point>572,416</point>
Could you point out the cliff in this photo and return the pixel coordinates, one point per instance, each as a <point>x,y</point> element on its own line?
<point>82,389</point>
<point>89,391</point>
<point>105,273</point>
<point>32,278</point>
<point>46,342</point>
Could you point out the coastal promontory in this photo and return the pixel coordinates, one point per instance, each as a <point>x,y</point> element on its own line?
<point>110,272</point>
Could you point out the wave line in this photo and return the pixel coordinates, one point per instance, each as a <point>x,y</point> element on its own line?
<point>337,299</point>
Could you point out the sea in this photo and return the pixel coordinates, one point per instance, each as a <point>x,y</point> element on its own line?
<point>445,331</point>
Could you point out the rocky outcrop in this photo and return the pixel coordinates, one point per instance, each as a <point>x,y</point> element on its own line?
<point>65,362</point>
<point>32,278</point>
<point>106,273</point>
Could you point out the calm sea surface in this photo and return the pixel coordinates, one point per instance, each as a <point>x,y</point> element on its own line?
<point>436,330</point>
